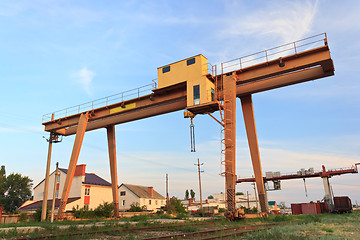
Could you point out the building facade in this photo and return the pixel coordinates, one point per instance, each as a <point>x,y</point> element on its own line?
<point>145,197</point>
<point>87,189</point>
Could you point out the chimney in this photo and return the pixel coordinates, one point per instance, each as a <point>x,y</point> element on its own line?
<point>151,191</point>
<point>80,170</point>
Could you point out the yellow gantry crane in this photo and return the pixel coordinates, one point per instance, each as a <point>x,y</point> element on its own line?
<point>199,88</point>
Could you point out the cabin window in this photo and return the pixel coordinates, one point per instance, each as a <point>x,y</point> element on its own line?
<point>149,202</point>
<point>212,94</point>
<point>123,202</point>
<point>57,194</point>
<point>190,61</point>
<point>58,178</point>
<point>87,191</point>
<point>166,69</point>
<point>196,94</point>
<point>122,193</point>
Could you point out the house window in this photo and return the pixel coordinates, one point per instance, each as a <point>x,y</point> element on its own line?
<point>196,94</point>
<point>123,202</point>
<point>87,191</point>
<point>122,193</point>
<point>166,69</point>
<point>190,61</point>
<point>156,202</point>
<point>149,202</point>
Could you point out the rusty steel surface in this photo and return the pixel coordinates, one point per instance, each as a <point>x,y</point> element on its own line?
<point>73,160</point>
<point>275,72</point>
<point>229,93</point>
<point>113,168</point>
<point>300,67</point>
<point>328,173</point>
<point>249,119</point>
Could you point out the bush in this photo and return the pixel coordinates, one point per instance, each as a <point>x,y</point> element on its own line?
<point>23,217</point>
<point>37,215</point>
<point>174,206</point>
<point>103,210</point>
<point>135,207</point>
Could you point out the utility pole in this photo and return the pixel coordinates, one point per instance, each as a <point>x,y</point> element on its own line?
<point>256,199</point>
<point>167,189</point>
<point>247,196</point>
<point>54,193</point>
<point>198,164</point>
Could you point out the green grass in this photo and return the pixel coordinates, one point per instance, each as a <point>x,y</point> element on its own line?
<point>320,226</point>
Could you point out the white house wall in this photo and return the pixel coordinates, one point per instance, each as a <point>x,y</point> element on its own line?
<point>75,190</point>
<point>129,198</point>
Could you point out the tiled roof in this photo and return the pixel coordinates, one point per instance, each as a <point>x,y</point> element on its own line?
<point>93,179</point>
<point>142,192</point>
<point>90,178</point>
<point>37,204</point>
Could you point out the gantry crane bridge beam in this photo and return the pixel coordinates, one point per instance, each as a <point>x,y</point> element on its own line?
<point>301,67</point>
<point>237,79</point>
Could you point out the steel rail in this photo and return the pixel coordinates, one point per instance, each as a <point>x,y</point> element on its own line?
<point>52,236</point>
<point>213,231</point>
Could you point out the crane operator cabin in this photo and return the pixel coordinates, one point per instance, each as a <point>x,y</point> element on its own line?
<point>193,71</point>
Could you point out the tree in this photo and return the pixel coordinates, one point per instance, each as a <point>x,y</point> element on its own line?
<point>187,194</point>
<point>239,193</point>
<point>14,190</point>
<point>192,194</point>
<point>175,206</point>
<point>2,183</point>
<point>211,197</point>
<point>282,205</point>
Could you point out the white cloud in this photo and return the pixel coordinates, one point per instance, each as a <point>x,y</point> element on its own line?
<point>84,77</point>
<point>289,21</point>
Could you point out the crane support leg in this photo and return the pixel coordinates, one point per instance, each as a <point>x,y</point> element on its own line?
<point>46,187</point>
<point>113,168</point>
<point>229,84</point>
<point>83,120</point>
<point>328,196</point>
<point>249,119</point>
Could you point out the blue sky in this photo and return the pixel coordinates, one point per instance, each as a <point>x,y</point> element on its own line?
<point>56,54</point>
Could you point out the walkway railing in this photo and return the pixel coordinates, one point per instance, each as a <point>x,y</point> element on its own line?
<point>101,102</point>
<point>228,66</point>
<point>275,53</point>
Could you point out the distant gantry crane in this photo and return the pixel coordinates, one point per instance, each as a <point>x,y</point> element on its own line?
<point>276,177</point>
<point>198,87</point>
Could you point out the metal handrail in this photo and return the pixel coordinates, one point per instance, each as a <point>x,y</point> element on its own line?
<point>101,102</point>
<point>274,53</point>
<point>238,63</point>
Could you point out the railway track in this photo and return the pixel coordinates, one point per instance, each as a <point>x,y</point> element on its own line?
<point>219,233</point>
<point>215,233</point>
<point>111,231</point>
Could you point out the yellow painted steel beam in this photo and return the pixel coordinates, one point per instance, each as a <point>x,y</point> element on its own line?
<point>249,119</point>
<point>83,120</point>
<point>305,66</point>
<point>113,168</point>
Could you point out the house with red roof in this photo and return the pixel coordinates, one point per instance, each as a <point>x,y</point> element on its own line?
<point>87,189</point>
